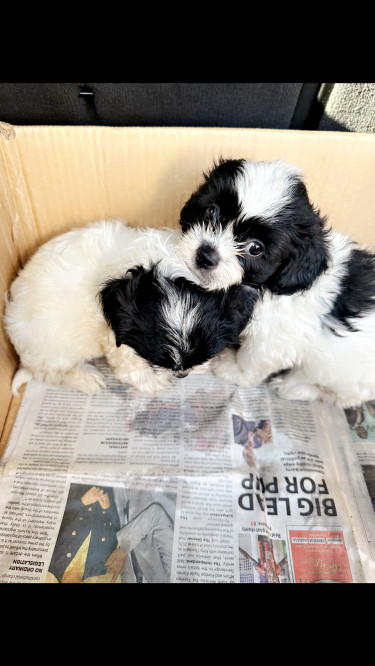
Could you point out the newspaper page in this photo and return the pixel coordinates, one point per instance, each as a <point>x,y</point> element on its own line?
<point>205,483</point>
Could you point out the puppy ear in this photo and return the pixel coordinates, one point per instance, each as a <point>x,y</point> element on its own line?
<point>187,215</point>
<point>302,268</point>
<point>118,303</point>
<point>308,256</point>
<point>239,309</point>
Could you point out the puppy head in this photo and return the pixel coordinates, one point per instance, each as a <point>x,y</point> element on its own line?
<point>253,221</point>
<point>173,323</point>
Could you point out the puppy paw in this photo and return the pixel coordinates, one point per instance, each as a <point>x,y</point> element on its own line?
<point>154,384</point>
<point>146,381</point>
<point>293,389</point>
<point>85,378</point>
<point>227,368</point>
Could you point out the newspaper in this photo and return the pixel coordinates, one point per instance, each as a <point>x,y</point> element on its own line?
<point>205,483</point>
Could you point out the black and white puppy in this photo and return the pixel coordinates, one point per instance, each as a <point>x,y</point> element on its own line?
<point>111,290</point>
<point>252,222</point>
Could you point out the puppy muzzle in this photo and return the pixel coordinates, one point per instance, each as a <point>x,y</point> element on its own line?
<point>206,257</point>
<point>181,373</point>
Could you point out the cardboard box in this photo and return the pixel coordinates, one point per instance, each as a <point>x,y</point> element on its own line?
<point>56,177</point>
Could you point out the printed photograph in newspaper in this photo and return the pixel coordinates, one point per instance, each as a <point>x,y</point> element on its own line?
<point>251,434</point>
<point>262,559</point>
<point>361,421</point>
<point>114,535</point>
<point>319,556</point>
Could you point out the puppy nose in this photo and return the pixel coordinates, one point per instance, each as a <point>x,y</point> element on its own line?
<point>181,373</point>
<point>207,256</point>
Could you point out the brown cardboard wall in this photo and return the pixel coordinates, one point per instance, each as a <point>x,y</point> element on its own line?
<point>55,177</point>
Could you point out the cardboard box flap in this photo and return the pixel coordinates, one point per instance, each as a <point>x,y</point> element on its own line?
<point>56,177</point>
<point>63,176</point>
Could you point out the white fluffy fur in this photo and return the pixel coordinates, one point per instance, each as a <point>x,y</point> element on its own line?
<point>180,316</point>
<point>77,264</point>
<point>292,332</point>
<point>264,188</point>
<point>295,331</point>
<point>229,271</point>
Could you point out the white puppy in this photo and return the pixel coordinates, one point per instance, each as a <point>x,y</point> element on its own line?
<point>111,290</point>
<point>312,330</point>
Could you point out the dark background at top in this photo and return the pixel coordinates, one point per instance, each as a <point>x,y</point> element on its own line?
<point>306,106</point>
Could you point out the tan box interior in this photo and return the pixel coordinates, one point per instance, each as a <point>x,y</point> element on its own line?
<point>56,177</point>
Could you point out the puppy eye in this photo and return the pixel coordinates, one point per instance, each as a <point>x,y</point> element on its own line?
<point>211,213</point>
<point>255,248</point>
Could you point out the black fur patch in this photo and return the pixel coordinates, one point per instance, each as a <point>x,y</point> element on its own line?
<point>133,308</point>
<point>295,247</point>
<point>294,240</point>
<point>296,252</point>
<point>218,189</point>
<point>357,289</point>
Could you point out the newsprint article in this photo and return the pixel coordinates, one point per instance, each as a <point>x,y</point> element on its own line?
<point>205,483</point>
